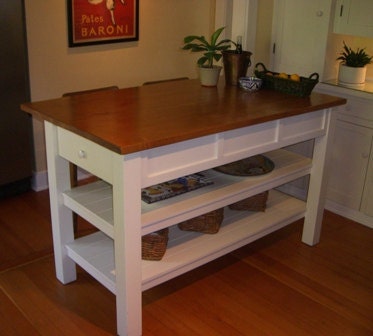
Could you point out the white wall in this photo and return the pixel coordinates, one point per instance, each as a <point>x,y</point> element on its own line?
<point>55,68</point>
<point>263,44</point>
<point>252,19</point>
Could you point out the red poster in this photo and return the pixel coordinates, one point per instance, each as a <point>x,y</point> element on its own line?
<point>102,21</point>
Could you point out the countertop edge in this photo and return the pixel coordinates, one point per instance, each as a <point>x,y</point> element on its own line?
<point>147,143</point>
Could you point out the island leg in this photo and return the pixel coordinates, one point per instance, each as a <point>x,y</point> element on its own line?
<point>317,186</point>
<point>127,242</point>
<point>62,219</point>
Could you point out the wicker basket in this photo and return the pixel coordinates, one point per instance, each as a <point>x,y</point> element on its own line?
<point>154,245</point>
<point>207,223</point>
<point>303,88</point>
<point>253,203</point>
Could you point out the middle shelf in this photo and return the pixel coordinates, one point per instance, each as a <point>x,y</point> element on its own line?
<point>94,201</point>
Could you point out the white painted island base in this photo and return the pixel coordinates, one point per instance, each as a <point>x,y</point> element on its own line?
<point>113,203</point>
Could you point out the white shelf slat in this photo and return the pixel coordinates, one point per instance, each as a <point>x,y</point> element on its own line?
<point>95,254</point>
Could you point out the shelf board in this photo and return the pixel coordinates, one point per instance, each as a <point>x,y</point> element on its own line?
<point>94,201</point>
<point>187,250</point>
<point>95,254</point>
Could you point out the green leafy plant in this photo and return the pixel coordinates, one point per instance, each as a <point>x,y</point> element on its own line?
<point>212,50</point>
<point>355,59</point>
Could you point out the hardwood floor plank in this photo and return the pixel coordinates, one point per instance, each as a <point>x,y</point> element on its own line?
<point>325,273</point>
<point>316,291</point>
<point>19,324</point>
<point>179,320</point>
<point>25,229</point>
<point>152,326</point>
<point>285,303</point>
<point>259,314</point>
<point>228,309</point>
<point>52,307</point>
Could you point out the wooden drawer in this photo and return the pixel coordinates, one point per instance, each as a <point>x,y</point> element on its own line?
<point>86,154</point>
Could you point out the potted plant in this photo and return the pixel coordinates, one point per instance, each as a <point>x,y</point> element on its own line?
<point>352,69</point>
<point>212,52</point>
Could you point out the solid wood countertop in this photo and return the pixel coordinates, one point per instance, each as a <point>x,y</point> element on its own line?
<point>135,119</point>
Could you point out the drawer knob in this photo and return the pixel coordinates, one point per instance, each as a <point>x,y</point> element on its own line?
<point>82,154</point>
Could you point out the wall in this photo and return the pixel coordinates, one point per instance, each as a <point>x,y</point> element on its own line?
<point>55,68</point>
<point>263,33</point>
<point>252,19</point>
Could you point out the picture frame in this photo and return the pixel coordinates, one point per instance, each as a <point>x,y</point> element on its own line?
<point>93,22</point>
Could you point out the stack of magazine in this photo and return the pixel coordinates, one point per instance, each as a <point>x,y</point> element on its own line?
<point>174,187</point>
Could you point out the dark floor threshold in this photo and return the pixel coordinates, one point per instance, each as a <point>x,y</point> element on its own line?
<point>15,188</point>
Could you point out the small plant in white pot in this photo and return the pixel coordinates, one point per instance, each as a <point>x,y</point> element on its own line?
<point>212,52</point>
<point>352,69</point>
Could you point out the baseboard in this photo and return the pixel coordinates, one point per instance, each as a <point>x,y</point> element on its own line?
<point>338,209</point>
<point>39,180</point>
<point>354,215</point>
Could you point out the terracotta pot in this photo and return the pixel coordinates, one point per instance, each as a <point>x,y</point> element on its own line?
<point>235,65</point>
<point>351,75</point>
<point>209,76</point>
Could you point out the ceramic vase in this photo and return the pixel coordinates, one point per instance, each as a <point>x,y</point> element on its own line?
<point>351,75</point>
<point>209,76</point>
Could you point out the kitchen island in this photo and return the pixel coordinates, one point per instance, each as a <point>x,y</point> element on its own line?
<point>137,137</point>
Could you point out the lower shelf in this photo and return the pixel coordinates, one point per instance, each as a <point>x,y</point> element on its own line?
<point>188,250</point>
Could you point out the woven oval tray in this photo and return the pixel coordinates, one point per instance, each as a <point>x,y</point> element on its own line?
<point>252,166</point>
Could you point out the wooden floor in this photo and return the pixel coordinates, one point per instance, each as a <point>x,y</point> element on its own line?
<point>275,286</point>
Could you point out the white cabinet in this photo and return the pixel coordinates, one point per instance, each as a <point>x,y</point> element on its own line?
<point>367,201</point>
<point>354,17</point>
<point>350,157</point>
<point>350,181</point>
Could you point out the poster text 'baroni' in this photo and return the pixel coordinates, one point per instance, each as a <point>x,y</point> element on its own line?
<point>101,31</point>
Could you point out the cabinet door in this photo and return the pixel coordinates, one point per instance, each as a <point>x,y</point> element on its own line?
<point>354,17</point>
<point>367,202</point>
<point>299,36</point>
<point>350,155</point>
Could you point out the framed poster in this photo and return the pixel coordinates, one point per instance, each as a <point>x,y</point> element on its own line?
<point>102,21</point>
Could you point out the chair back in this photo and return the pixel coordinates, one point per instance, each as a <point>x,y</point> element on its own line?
<point>75,93</point>
<point>165,80</point>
